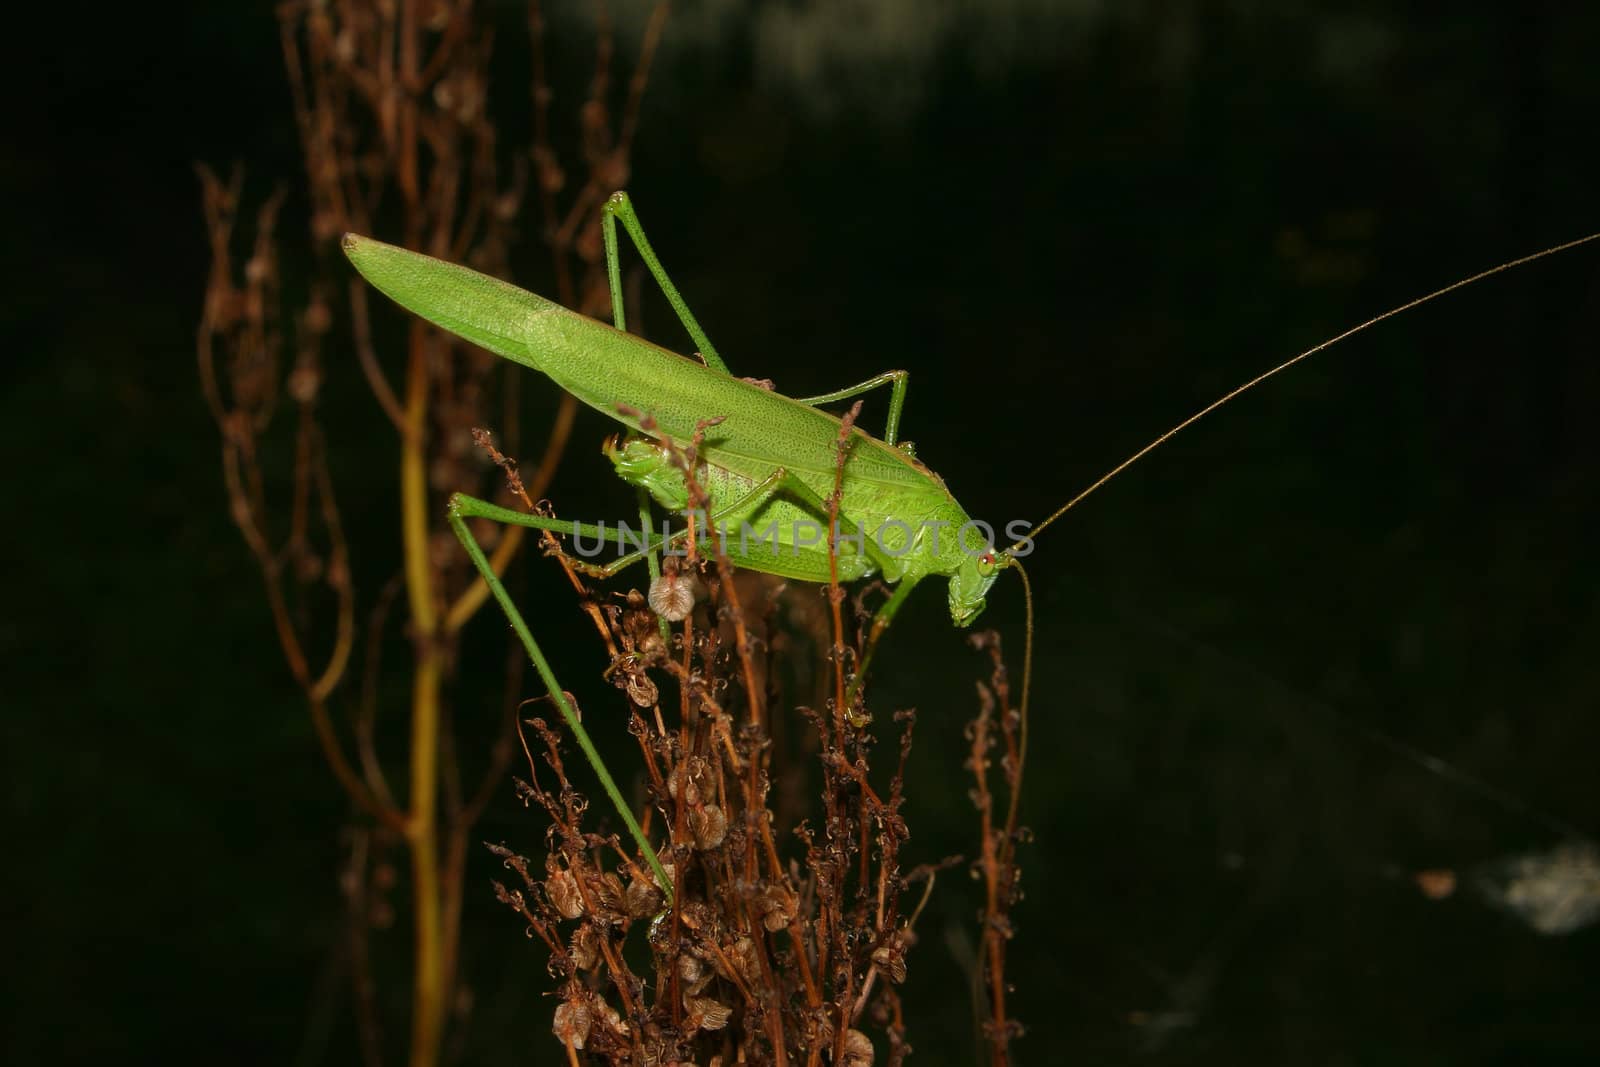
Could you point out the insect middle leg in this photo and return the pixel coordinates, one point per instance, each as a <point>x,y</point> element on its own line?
<point>896,379</point>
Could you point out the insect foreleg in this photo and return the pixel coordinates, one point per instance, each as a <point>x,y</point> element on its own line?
<point>880,622</point>
<point>459,510</point>
<point>620,207</point>
<point>897,397</point>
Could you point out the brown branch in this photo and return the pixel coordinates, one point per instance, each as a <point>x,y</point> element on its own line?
<point>996,862</point>
<point>361,333</point>
<point>367,707</point>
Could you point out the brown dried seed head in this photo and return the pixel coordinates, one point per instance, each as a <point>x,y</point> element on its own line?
<point>857,1049</point>
<point>640,689</point>
<point>745,959</point>
<point>891,960</point>
<point>709,826</point>
<point>778,907</point>
<point>693,778</point>
<point>562,889</point>
<point>606,895</point>
<point>586,947</point>
<point>572,1023</point>
<point>693,972</point>
<point>708,1014</point>
<point>644,897</point>
<point>672,596</point>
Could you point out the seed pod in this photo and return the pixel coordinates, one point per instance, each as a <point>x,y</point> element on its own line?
<point>606,896</point>
<point>692,971</point>
<point>890,958</point>
<point>640,689</point>
<point>857,1049</point>
<point>586,947</point>
<point>572,1023</point>
<point>562,889</point>
<point>707,1014</point>
<point>745,960</point>
<point>672,596</point>
<point>777,905</point>
<point>709,826</point>
<point>644,898</point>
<point>693,779</point>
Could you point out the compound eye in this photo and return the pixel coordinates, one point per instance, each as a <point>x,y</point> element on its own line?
<point>986,564</point>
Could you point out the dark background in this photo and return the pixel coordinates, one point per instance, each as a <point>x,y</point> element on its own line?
<point>1074,227</point>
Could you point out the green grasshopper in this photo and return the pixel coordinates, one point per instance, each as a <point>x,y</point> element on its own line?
<point>764,461</point>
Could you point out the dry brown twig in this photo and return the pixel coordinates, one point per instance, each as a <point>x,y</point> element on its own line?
<point>761,959</point>
<point>997,863</point>
<point>390,105</point>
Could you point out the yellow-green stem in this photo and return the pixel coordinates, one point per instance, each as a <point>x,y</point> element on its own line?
<point>428,993</point>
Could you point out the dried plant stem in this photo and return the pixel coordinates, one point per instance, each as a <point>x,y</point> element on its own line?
<point>389,101</point>
<point>428,983</point>
<point>997,857</point>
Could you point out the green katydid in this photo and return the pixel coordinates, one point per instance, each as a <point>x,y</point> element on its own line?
<point>765,461</point>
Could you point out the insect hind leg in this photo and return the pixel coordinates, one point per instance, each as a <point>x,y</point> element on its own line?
<point>619,206</point>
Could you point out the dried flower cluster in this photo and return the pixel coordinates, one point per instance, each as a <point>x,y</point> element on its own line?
<point>758,958</point>
<point>998,725</point>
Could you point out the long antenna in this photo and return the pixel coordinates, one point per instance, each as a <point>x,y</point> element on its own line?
<point>1280,368</point>
<point>1027,692</point>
